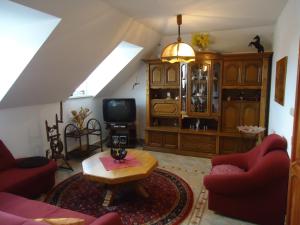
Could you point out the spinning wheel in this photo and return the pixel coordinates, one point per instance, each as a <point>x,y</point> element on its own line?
<point>56,145</point>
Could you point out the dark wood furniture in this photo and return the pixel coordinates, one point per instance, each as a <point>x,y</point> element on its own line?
<point>127,130</point>
<point>194,109</point>
<point>93,127</point>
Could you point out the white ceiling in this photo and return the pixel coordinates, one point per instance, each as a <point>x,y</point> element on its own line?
<point>201,15</point>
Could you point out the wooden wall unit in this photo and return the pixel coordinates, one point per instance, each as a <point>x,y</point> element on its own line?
<point>194,109</point>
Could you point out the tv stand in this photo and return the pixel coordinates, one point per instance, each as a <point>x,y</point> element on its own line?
<point>122,129</point>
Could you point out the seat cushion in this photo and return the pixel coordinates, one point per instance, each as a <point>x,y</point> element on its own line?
<point>32,162</point>
<point>27,208</point>
<point>226,169</point>
<point>10,219</point>
<point>16,178</point>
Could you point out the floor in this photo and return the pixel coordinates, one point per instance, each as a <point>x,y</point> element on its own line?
<point>192,170</point>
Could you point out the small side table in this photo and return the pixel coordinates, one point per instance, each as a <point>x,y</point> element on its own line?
<point>254,131</point>
<point>93,127</point>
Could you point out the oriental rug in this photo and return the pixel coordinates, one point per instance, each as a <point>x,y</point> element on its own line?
<point>170,201</point>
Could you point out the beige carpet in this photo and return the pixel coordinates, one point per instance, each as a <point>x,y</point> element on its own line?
<point>192,170</point>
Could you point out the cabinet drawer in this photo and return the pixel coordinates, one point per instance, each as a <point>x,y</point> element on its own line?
<point>155,139</point>
<point>164,107</point>
<point>229,145</point>
<point>171,140</point>
<point>236,144</point>
<point>163,139</point>
<point>198,143</point>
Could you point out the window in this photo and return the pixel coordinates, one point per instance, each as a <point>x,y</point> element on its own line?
<point>107,69</point>
<point>22,32</point>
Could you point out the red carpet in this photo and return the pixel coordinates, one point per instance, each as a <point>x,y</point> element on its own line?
<point>170,200</point>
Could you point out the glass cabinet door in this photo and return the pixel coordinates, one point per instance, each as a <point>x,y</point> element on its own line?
<point>183,88</point>
<point>199,88</point>
<point>215,95</point>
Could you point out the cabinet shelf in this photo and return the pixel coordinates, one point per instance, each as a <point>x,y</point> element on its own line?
<point>163,128</point>
<point>242,87</point>
<point>193,131</point>
<point>166,116</point>
<point>164,87</point>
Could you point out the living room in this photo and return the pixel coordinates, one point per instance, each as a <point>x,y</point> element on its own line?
<point>82,37</point>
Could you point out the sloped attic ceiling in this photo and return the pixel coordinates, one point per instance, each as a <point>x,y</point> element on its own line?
<point>86,34</point>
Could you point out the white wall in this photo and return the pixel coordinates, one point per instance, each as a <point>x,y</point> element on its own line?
<point>139,93</point>
<point>286,43</point>
<point>227,41</point>
<point>23,129</point>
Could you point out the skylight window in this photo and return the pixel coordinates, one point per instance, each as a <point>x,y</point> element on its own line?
<point>107,69</point>
<point>22,32</point>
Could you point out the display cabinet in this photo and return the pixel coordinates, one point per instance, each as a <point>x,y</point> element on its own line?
<point>198,88</point>
<point>194,109</point>
<point>216,87</point>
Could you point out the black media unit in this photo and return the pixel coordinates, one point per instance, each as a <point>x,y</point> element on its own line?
<point>122,129</point>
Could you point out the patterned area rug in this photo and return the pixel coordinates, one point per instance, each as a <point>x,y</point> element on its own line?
<point>170,201</point>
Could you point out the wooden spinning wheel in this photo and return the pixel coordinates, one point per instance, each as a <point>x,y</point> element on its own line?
<point>56,145</point>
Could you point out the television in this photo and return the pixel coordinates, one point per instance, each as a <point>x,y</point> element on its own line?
<point>119,110</point>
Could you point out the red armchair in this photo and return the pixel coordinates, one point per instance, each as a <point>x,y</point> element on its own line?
<point>251,186</point>
<point>29,182</point>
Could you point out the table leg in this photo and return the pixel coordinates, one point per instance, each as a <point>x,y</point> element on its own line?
<point>112,190</point>
<point>141,191</point>
<point>108,199</point>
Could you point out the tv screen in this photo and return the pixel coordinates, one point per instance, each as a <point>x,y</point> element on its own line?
<point>119,110</point>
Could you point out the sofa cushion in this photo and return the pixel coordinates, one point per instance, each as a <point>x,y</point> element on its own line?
<point>226,169</point>
<point>10,219</point>
<point>16,178</point>
<point>27,208</point>
<point>32,162</point>
<point>6,158</point>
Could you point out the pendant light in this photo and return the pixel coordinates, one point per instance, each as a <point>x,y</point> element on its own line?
<point>178,51</point>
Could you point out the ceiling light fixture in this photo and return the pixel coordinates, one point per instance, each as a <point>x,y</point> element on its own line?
<point>178,51</point>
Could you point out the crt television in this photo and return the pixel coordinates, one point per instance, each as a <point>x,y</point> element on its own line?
<point>119,110</point>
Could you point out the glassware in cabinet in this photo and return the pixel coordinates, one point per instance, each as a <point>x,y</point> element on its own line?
<point>199,88</point>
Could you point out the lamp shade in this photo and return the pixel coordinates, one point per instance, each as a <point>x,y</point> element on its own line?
<point>178,52</point>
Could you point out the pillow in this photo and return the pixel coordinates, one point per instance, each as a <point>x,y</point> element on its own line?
<point>61,221</point>
<point>32,162</point>
<point>226,169</point>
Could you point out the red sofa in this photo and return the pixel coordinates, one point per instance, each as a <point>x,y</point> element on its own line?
<point>251,186</point>
<point>29,182</point>
<point>16,210</point>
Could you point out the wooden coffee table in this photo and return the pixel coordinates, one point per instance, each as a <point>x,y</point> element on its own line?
<point>94,170</point>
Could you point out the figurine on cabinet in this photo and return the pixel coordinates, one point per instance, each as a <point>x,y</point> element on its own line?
<point>256,44</point>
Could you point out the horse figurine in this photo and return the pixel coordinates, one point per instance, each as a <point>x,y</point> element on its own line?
<point>256,44</point>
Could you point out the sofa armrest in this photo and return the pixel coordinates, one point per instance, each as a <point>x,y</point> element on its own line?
<point>108,219</point>
<point>272,167</point>
<point>236,159</point>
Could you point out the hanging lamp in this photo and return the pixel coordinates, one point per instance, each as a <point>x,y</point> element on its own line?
<point>178,51</point>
